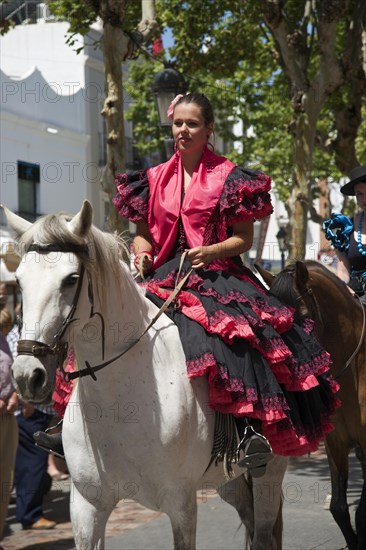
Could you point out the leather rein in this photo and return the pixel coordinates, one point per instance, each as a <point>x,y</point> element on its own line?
<point>40,349</point>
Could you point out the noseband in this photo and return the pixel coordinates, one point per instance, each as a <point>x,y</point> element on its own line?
<point>59,349</point>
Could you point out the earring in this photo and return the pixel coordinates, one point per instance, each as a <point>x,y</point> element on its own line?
<point>210,146</point>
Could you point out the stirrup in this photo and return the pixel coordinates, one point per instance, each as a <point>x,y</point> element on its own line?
<point>257,452</point>
<point>59,423</point>
<point>45,442</point>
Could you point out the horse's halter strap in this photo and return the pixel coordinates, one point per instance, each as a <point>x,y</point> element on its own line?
<point>40,349</point>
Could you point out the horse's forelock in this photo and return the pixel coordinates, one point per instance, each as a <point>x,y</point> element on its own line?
<point>283,287</point>
<point>50,229</point>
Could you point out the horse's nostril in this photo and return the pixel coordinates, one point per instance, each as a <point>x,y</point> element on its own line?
<point>37,379</point>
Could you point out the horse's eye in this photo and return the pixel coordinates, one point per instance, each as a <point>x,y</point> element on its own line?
<point>71,280</point>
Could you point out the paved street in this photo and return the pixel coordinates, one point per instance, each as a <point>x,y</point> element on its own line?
<point>307,524</point>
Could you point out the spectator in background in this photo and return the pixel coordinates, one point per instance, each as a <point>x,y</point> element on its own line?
<point>348,235</point>
<point>56,468</point>
<point>8,404</point>
<point>31,462</point>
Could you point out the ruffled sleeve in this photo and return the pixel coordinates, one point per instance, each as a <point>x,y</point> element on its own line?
<point>338,230</point>
<point>132,198</point>
<point>245,196</point>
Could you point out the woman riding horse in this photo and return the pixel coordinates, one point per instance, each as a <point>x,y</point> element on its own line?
<point>348,236</point>
<point>262,366</point>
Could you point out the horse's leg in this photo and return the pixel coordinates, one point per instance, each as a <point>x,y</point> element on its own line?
<point>180,504</point>
<point>267,500</point>
<point>238,492</point>
<point>362,458</point>
<point>88,522</point>
<point>338,464</point>
<point>360,520</point>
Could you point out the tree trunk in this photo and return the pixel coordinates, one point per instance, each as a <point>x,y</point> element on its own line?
<point>296,47</point>
<point>117,47</point>
<point>113,113</point>
<point>306,112</point>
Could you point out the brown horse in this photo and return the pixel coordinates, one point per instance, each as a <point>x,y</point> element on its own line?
<point>339,319</point>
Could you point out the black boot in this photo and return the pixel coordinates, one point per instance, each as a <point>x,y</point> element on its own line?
<point>257,449</point>
<point>52,443</point>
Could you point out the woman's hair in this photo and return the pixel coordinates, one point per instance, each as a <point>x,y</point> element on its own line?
<point>203,102</point>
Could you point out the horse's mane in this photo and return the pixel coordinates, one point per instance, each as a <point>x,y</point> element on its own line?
<point>106,251</point>
<point>283,284</point>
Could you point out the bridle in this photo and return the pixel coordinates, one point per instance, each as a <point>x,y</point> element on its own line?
<point>59,349</point>
<point>40,349</point>
<point>308,292</point>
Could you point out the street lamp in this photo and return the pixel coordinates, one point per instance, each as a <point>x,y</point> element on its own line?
<point>281,238</point>
<point>167,84</point>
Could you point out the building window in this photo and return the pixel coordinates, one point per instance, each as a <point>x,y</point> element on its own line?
<point>28,190</point>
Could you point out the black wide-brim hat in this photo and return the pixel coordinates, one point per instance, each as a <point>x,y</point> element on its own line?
<point>356,175</point>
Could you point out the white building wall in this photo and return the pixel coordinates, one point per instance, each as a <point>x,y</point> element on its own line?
<point>50,115</point>
<point>43,45</point>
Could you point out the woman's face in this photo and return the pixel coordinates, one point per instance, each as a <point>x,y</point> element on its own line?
<point>360,192</point>
<point>189,130</point>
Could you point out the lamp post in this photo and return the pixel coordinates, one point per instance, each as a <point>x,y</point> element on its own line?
<point>281,238</point>
<point>167,84</point>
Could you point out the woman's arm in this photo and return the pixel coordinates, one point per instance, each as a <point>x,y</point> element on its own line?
<point>141,244</point>
<point>343,267</point>
<point>240,241</point>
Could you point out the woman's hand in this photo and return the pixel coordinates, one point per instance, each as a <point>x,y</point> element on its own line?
<point>240,241</point>
<point>143,262</point>
<point>199,256</point>
<point>12,403</point>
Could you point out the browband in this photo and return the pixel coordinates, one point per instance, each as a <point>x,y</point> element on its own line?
<point>59,247</point>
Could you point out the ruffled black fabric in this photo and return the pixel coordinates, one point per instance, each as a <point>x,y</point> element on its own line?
<point>132,199</point>
<point>245,196</point>
<point>260,360</point>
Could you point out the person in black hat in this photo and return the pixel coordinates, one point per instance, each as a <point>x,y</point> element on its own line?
<point>348,236</point>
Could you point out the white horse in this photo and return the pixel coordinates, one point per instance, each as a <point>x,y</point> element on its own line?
<point>142,429</point>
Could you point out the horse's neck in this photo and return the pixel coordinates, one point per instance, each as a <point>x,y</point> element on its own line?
<point>120,317</point>
<point>340,315</point>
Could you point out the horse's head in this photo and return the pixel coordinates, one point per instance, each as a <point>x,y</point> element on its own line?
<point>292,285</point>
<point>313,290</point>
<point>50,277</point>
<point>298,286</point>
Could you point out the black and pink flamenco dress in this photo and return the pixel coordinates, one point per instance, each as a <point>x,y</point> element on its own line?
<point>262,361</point>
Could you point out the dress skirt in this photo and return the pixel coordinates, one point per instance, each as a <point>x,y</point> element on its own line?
<point>262,360</point>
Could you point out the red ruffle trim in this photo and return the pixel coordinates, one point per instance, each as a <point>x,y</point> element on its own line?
<point>229,327</point>
<point>277,427</point>
<point>244,199</point>
<point>63,390</point>
<point>280,318</point>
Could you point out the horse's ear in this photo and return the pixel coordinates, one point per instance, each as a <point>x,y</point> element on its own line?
<point>301,275</point>
<point>267,277</point>
<point>19,225</point>
<point>81,222</point>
